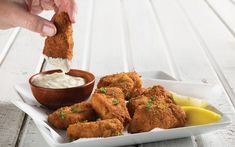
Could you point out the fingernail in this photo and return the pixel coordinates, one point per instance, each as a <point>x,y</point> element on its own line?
<point>48,30</point>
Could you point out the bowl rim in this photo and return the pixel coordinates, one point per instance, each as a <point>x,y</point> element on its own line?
<point>61,89</point>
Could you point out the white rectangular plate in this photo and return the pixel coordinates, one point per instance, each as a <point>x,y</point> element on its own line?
<point>57,138</point>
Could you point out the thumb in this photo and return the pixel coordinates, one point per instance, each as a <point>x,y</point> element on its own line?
<point>22,18</point>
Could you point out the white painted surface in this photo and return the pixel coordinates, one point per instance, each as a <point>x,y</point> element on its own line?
<point>193,40</point>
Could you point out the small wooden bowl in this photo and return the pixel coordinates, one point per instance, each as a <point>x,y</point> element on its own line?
<point>56,98</point>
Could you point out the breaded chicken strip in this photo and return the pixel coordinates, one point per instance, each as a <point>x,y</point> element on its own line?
<point>65,116</point>
<point>60,46</point>
<point>159,115</point>
<point>109,103</point>
<point>128,82</point>
<point>101,128</point>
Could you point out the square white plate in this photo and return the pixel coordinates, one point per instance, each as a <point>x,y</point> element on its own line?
<point>57,138</point>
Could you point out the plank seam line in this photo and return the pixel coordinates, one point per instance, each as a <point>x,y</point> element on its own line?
<point>41,64</point>
<point>211,59</point>
<point>220,18</point>
<point>173,66</point>
<point>21,133</point>
<point>126,45</point>
<point>8,45</point>
<point>233,2</point>
<point>87,48</point>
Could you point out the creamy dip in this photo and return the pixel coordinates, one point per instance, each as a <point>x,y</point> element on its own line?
<point>58,80</point>
<point>62,64</point>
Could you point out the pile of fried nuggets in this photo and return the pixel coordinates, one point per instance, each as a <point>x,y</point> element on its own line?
<point>107,113</point>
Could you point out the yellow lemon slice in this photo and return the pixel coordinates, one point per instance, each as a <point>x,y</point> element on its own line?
<point>200,116</point>
<point>188,101</point>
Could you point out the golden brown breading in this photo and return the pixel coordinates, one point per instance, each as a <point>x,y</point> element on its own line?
<point>160,115</point>
<point>156,90</point>
<point>101,128</point>
<point>154,108</point>
<point>128,82</point>
<point>142,96</point>
<point>109,103</point>
<point>65,116</point>
<point>135,102</point>
<point>61,44</point>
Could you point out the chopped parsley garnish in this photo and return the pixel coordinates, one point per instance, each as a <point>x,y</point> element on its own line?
<point>103,89</point>
<point>150,103</point>
<point>76,110</point>
<point>152,98</point>
<point>115,102</point>
<point>62,114</point>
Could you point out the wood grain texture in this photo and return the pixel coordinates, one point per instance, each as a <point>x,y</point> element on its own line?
<point>16,68</point>
<point>206,44</point>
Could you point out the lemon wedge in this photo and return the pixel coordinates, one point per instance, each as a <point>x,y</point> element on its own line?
<point>200,116</point>
<point>188,101</point>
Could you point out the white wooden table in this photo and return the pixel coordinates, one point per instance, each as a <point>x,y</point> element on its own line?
<point>192,40</point>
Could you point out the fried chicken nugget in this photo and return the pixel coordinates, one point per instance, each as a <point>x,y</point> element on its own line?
<point>160,115</point>
<point>156,108</point>
<point>128,82</point>
<point>109,103</point>
<point>101,128</point>
<point>60,46</point>
<point>142,97</point>
<point>65,116</point>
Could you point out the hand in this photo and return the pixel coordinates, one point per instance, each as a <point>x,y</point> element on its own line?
<point>23,13</point>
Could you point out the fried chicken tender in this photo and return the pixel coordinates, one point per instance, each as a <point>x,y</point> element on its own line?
<point>154,109</point>
<point>65,116</point>
<point>128,82</point>
<point>61,44</point>
<point>101,128</point>
<point>109,103</point>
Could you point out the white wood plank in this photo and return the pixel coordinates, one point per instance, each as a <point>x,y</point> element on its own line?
<point>214,38</point>
<point>143,38</point>
<point>204,17</point>
<point>17,67</point>
<point>225,10</point>
<point>7,45</point>
<point>106,54</point>
<point>186,51</point>
<point>182,142</point>
<point>4,35</point>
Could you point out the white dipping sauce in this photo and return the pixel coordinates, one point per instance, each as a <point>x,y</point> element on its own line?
<point>58,80</point>
<point>62,64</point>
